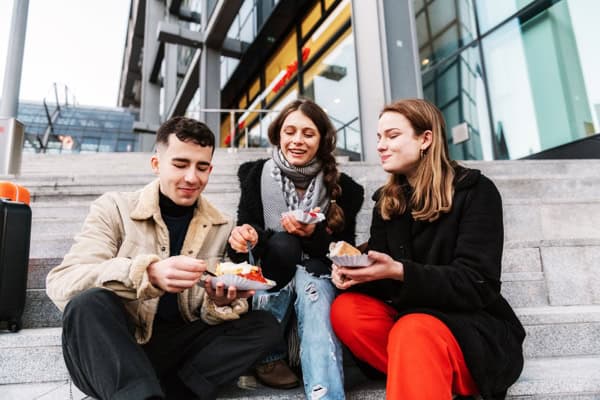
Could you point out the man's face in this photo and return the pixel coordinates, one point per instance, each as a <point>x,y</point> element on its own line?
<point>183,169</point>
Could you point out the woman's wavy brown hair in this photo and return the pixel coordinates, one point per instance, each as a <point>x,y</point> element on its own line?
<point>335,214</point>
<point>433,183</point>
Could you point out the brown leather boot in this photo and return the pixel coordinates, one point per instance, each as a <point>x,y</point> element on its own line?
<point>277,374</point>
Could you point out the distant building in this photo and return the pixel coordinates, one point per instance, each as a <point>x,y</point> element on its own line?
<point>513,78</point>
<point>77,129</point>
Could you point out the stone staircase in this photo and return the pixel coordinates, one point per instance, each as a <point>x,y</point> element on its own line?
<point>552,246</point>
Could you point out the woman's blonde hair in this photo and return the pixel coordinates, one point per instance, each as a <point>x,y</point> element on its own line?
<point>433,183</point>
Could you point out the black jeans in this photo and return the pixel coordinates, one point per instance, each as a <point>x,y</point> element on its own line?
<point>181,360</point>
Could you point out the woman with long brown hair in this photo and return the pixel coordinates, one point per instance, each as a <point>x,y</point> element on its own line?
<point>428,311</point>
<point>301,175</point>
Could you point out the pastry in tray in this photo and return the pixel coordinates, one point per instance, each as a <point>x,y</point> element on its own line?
<point>344,254</point>
<point>243,276</point>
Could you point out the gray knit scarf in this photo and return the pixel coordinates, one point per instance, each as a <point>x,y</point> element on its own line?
<point>279,180</point>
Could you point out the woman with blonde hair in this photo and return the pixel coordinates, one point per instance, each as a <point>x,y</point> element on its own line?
<point>428,311</point>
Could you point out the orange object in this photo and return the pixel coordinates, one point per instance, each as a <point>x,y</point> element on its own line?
<point>14,192</point>
<point>419,354</point>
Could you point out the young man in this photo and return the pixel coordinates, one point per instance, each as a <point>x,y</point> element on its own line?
<point>138,322</point>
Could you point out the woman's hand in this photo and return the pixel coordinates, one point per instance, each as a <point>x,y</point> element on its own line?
<point>383,267</point>
<point>240,235</point>
<point>292,226</point>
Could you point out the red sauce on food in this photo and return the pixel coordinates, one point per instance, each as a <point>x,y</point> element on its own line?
<point>255,276</point>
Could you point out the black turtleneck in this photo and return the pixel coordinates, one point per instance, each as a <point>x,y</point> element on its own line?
<point>178,220</point>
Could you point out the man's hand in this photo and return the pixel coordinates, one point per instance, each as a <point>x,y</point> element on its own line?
<point>292,226</point>
<point>383,267</point>
<point>222,297</point>
<point>175,274</point>
<point>240,235</point>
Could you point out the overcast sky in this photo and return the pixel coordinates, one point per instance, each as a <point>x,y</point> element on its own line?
<point>77,43</point>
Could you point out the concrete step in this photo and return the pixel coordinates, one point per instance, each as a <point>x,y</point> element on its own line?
<point>31,357</point>
<point>525,289</point>
<point>523,221</point>
<point>561,331</point>
<point>511,187</point>
<point>565,378</point>
<point>551,330</point>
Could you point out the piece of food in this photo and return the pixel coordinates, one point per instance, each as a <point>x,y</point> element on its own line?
<point>244,270</point>
<point>342,248</point>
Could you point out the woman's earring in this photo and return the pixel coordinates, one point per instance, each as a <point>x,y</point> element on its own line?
<point>422,154</point>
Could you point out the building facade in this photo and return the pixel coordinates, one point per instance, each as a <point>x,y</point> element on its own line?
<point>68,128</point>
<point>514,78</point>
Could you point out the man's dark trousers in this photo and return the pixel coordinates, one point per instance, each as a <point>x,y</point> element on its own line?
<point>181,360</point>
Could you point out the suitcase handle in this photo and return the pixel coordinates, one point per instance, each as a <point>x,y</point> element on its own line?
<point>14,192</point>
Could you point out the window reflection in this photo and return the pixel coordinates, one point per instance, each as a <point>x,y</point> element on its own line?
<point>331,82</point>
<point>442,28</point>
<point>456,87</point>
<point>493,12</point>
<point>540,98</point>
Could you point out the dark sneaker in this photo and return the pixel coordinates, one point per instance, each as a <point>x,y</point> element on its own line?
<point>277,374</point>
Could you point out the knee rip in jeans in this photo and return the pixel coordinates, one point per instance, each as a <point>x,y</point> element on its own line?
<point>311,291</point>
<point>318,392</point>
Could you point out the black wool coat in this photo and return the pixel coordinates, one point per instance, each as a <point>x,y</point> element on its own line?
<point>452,271</point>
<point>250,211</point>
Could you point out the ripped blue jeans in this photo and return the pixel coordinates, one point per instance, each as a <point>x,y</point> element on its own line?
<point>320,350</point>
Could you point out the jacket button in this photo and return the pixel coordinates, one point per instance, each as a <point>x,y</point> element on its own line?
<point>162,248</point>
<point>190,252</point>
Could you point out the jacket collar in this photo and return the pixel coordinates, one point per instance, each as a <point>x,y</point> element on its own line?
<point>147,207</point>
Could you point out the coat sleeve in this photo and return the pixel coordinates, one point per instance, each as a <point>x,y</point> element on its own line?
<point>471,280</point>
<point>93,261</point>
<point>250,208</point>
<point>377,238</point>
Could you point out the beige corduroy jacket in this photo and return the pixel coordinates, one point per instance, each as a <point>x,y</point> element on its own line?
<point>122,235</point>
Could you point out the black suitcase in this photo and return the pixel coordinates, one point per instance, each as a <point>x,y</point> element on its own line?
<point>15,235</point>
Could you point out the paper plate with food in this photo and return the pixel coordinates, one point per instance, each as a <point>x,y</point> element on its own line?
<point>307,217</point>
<point>243,276</point>
<point>345,255</point>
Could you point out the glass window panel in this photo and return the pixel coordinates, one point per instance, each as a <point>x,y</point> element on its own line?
<point>457,87</point>
<point>547,95</point>
<point>311,19</point>
<point>417,5</point>
<point>247,28</point>
<point>422,31</point>
<point>277,73</point>
<point>446,44</point>
<point>328,28</point>
<point>254,89</point>
<point>492,12</point>
<point>441,14</point>
<point>447,25</point>
<point>331,82</point>
<point>447,84</point>
<point>246,9</point>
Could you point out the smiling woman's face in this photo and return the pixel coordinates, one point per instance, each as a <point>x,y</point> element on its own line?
<point>299,138</point>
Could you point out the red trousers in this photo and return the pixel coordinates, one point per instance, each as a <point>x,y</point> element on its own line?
<point>418,352</point>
